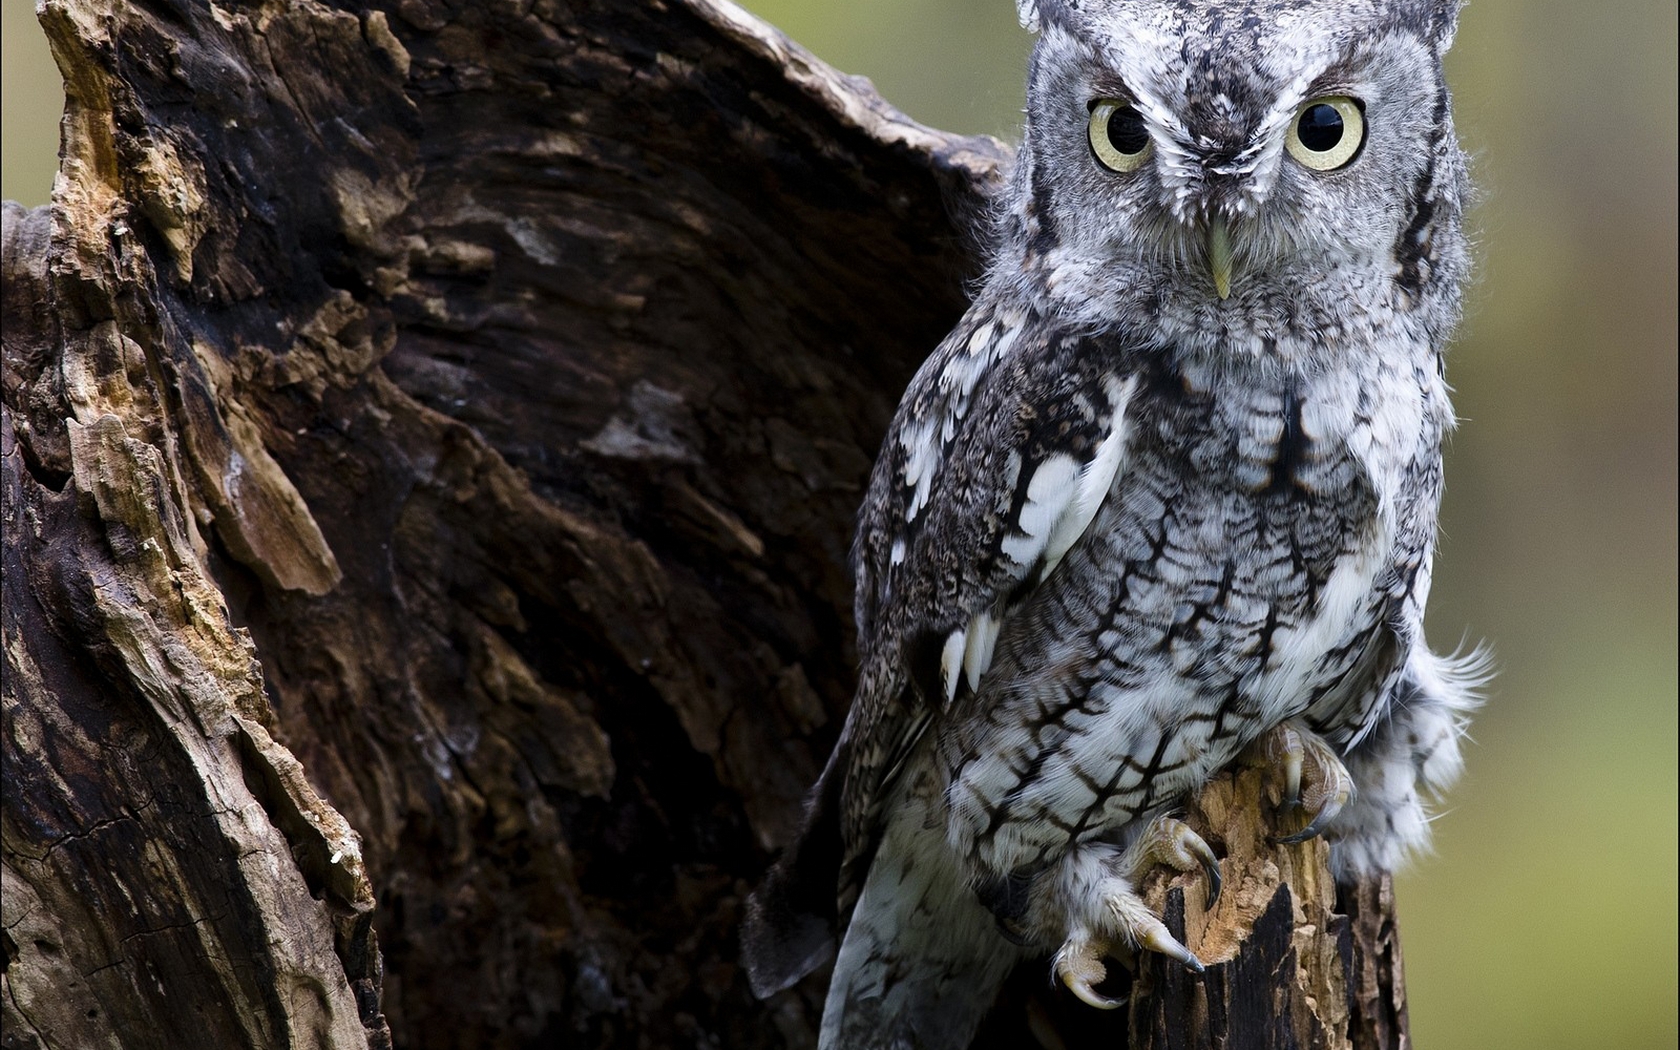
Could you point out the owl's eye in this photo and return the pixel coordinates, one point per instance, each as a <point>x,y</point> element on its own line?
<point>1117,135</point>
<point>1327,132</point>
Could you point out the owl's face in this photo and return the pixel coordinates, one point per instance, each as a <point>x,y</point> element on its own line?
<point>1254,164</point>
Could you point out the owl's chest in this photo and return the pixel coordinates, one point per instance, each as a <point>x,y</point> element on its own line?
<point>1255,533</point>
<point>1274,484</point>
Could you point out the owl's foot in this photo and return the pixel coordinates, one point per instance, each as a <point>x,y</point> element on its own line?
<point>1098,884</point>
<point>1315,782</point>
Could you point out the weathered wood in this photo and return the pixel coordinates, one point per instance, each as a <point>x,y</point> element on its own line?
<point>1287,958</point>
<point>445,422</point>
<point>1293,961</point>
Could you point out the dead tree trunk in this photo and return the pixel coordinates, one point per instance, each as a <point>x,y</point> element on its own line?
<point>431,437</point>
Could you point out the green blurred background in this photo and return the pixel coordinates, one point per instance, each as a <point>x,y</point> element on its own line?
<point>1547,917</point>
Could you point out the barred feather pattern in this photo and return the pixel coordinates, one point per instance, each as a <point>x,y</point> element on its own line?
<point>1126,521</point>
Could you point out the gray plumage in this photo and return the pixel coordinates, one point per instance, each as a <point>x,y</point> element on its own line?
<point>1171,483</point>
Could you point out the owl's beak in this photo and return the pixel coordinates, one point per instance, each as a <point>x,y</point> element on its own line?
<point>1219,255</point>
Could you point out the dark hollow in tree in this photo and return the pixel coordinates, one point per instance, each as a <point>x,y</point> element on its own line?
<point>431,435</point>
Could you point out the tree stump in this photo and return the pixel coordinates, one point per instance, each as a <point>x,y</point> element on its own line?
<point>431,437</point>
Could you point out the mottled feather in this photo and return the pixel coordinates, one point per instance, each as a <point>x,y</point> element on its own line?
<point>1171,483</point>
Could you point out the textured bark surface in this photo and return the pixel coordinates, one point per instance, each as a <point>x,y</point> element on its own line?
<point>431,438</point>
<point>1293,961</point>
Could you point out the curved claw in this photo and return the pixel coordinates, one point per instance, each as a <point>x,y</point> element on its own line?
<point>1210,866</point>
<point>1101,885</point>
<point>1079,965</point>
<point>1314,779</point>
<point>1172,842</point>
<point>1314,828</point>
<point>1156,938</point>
<point>1292,755</point>
<point>1090,996</point>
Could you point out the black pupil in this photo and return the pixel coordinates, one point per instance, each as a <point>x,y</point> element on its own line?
<point>1320,128</point>
<point>1126,132</point>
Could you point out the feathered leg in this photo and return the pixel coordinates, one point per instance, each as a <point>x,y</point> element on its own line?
<point>1412,756</point>
<point>1093,895</point>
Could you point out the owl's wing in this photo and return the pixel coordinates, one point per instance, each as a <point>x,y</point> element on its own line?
<point>1001,452</point>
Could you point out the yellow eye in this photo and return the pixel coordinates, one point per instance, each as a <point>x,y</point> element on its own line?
<point>1117,135</point>
<point>1327,132</point>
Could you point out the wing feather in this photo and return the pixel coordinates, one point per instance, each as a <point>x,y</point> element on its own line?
<point>1000,455</point>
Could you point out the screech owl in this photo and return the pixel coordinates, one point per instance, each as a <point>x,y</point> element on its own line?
<point>1168,491</point>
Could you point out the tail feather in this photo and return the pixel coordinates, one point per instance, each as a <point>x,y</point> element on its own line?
<point>792,916</point>
<point>922,959</point>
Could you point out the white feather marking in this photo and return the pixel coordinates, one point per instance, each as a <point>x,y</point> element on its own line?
<point>1052,485</point>
<point>982,639</point>
<point>1097,477</point>
<point>1297,650</point>
<point>1022,550</point>
<point>924,442</point>
<point>1007,340</point>
<point>950,662</point>
<point>1063,498</point>
<point>898,552</point>
<point>921,461</point>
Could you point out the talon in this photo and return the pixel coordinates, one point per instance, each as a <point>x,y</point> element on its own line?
<point>1293,756</point>
<point>1210,866</point>
<point>1156,938</point>
<point>1101,882</point>
<point>1090,996</point>
<point>1313,828</point>
<point>1314,778</point>
<point>1079,965</point>
<point>1172,842</point>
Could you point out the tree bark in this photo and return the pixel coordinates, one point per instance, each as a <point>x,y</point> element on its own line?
<point>431,438</point>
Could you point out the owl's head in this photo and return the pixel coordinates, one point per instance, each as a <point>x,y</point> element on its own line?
<point>1237,158</point>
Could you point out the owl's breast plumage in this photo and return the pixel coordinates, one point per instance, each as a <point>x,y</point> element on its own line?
<point>1240,573</point>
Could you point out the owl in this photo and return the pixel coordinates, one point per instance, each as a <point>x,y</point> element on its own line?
<point>1166,495</point>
